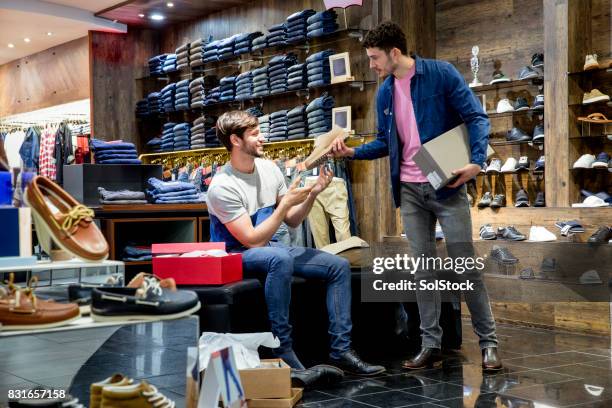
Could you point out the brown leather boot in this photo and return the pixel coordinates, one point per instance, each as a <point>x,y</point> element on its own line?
<point>427,357</point>
<point>491,360</point>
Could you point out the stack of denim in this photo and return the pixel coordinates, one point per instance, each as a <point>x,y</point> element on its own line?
<point>197,133</point>
<point>278,72</point>
<point>114,152</point>
<point>182,136</point>
<point>184,47</point>
<point>211,51</point>
<point>259,43</point>
<point>255,111</point>
<point>167,95</point>
<point>227,88</point>
<point>212,96</point>
<point>297,78</point>
<point>169,63</point>
<point>182,59</point>
<point>317,68</point>
<point>137,253</point>
<point>297,26</point>
<point>244,86</point>
<point>244,42</point>
<point>172,192</point>
<point>211,138</point>
<point>156,65</point>
<point>264,126</point>
<point>196,53</point>
<point>121,197</point>
<point>154,101</point>
<point>142,108</point>
<point>168,137</point>
<point>260,82</point>
<point>319,115</point>
<point>322,23</point>
<point>181,95</point>
<point>296,123</point>
<point>226,48</point>
<point>154,145</point>
<point>196,92</point>
<point>278,126</point>
<point>278,35</point>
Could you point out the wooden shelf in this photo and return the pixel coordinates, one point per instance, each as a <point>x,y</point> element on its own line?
<point>591,72</point>
<point>493,115</point>
<point>593,170</point>
<point>150,208</point>
<point>513,143</point>
<point>512,84</point>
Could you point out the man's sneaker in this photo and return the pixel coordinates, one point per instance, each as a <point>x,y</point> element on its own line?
<point>601,236</point>
<point>523,163</point>
<point>143,395</point>
<point>601,161</point>
<point>522,199</point>
<point>528,73</point>
<point>537,60</point>
<point>517,135</point>
<point>541,234</point>
<point>510,233</point>
<point>521,104</point>
<point>538,134</point>
<point>590,62</point>
<point>498,201</point>
<point>494,166</point>
<point>527,273</point>
<point>538,103</point>
<point>438,232</point>
<point>499,77</point>
<point>503,256</point>
<point>485,201</point>
<point>504,106</point>
<point>584,162</point>
<point>540,201</point>
<point>594,96</point>
<point>509,166</point>
<point>539,164</point>
<point>487,232</point>
<point>590,277</point>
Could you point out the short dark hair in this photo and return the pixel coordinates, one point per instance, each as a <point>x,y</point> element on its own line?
<point>234,123</point>
<point>386,36</point>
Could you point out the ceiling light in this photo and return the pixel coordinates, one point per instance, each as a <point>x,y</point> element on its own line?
<point>11,45</point>
<point>170,4</point>
<point>157,17</point>
<point>141,15</point>
<point>49,33</point>
<point>26,39</point>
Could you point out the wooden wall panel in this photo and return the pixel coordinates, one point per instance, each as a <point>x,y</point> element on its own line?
<point>48,78</point>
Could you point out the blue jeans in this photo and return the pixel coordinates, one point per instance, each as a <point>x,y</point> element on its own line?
<point>323,102</point>
<point>301,15</point>
<point>327,15</point>
<point>279,264</point>
<point>322,55</point>
<point>321,32</point>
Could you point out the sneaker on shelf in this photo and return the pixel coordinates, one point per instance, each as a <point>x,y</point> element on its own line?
<point>521,104</point>
<point>498,201</point>
<point>569,227</point>
<point>528,73</point>
<point>527,273</point>
<point>504,106</point>
<point>537,60</point>
<point>503,256</point>
<point>485,201</point>
<point>499,77</point>
<point>538,103</point>
<point>522,199</point>
<point>584,162</point>
<point>541,234</point>
<point>517,135</point>
<point>523,163</point>
<point>590,277</point>
<point>483,169</point>
<point>487,232</point>
<point>509,166</point>
<point>143,395</point>
<point>590,62</point>
<point>540,164</point>
<point>540,200</point>
<point>95,390</point>
<point>601,161</point>
<point>601,236</point>
<point>510,233</point>
<point>538,134</point>
<point>591,202</point>
<point>594,96</point>
<point>494,166</point>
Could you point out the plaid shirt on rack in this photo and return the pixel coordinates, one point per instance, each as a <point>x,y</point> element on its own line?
<point>47,166</point>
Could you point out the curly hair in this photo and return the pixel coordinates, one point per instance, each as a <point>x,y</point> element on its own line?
<point>386,36</point>
<point>234,123</point>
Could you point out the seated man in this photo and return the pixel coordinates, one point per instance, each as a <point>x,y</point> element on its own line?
<point>247,201</point>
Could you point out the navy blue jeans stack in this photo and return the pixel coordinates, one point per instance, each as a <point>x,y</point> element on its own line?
<point>259,43</point>
<point>142,108</point>
<point>297,127</point>
<point>226,48</point>
<point>264,126</point>
<point>277,35</point>
<point>227,88</point>
<point>211,51</point>
<point>196,93</point>
<point>169,63</point>
<point>204,133</point>
<point>278,71</point>
<point>156,65</point>
<point>319,115</point>
<point>297,26</point>
<point>322,23</point>
<point>297,77</point>
<point>154,100</point>
<point>244,42</point>
<point>167,95</point>
<point>317,68</point>
<point>167,144</point>
<point>244,86</point>
<point>114,152</point>
<point>182,136</point>
<point>261,87</point>
<point>154,145</point>
<point>278,126</point>
<point>213,96</point>
<point>181,95</point>
<point>255,111</point>
<point>172,192</point>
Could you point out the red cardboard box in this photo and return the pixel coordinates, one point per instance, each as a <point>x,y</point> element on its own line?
<point>209,270</point>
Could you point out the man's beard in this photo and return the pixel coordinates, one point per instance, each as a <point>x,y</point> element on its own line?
<point>252,151</point>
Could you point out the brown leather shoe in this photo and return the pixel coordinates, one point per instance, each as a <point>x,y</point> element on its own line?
<point>21,310</point>
<point>491,360</point>
<point>427,357</point>
<point>62,219</point>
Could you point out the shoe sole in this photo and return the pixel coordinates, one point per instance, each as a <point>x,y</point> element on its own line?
<point>40,326</point>
<point>537,66</point>
<point>101,318</point>
<point>497,206</point>
<point>600,165</point>
<point>361,374</point>
<point>433,364</point>
<point>596,99</point>
<point>591,67</point>
<point>530,76</point>
<point>508,171</point>
<point>499,81</point>
<point>523,108</point>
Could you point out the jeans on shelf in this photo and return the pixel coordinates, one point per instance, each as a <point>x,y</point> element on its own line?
<point>325,101</point>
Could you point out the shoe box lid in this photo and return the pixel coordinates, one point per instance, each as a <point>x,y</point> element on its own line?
<point>181,248</point>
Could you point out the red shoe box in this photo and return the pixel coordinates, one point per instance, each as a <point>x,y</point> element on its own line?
<point>209,270</point>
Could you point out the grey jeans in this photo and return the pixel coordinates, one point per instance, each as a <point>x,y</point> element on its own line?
<point>420,208</point>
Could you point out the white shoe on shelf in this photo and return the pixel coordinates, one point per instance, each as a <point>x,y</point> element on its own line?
<point>584,162</point>
<point>509,166</point>
<point>541,234</point>
<point>504,106</point>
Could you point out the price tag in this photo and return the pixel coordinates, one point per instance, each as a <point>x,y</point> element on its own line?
<point>315,171</point>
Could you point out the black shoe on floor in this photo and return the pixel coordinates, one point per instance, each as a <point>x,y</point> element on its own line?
<point>503,255</point>
<point>319,376</point>
<point>601,236</point>
<point>350,362</point>
<point>427,357</point>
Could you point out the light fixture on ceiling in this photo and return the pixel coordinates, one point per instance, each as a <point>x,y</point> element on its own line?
<point>170,4</point>
<point>156,17</point>
<point>11,45</point>
<point>26,39</point>
<point>141,15</point>
<point>49,33</point>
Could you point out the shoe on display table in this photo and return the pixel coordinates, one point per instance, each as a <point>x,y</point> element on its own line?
<point>95,390</point>
<point>503,256</point>
<point>528,73</point>
<point>142,395</point>
<point>590,62</point>
<point>517,135</point>
<point>601,236</point>
<point>540,164</point>
<point>509,166</point>
<point>510,233</point>
<point>487,232</point>
<point>601,161</point>
<point>538,103</point>
<point>538,134</point>
<point>591,202</point>
<point>541,234</point>
<point>499,77</point>
<point>523,163</point>
<point>594,96</point>
<point>485,201</point>
<point>540,201</point>
<point>522,199</point>
<point>498,201</point>
<point>537,60</point>
<point>521,104</point>
<point>494,166</point>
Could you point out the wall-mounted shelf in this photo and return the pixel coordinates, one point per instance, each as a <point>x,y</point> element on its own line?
<point>512,84</point>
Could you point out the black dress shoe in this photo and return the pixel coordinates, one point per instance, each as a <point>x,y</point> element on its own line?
<point>491,360</point>
<point>350,363</point>
<point>427,357</point>
<point>319,376</point>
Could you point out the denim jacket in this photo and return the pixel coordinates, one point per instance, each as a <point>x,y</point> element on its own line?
<point>442,100</point>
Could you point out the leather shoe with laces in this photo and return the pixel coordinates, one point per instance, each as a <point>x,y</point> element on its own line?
<point>350,363</point>
<point>491,360</point>
<point>321,375</point>
<point>427,357</point>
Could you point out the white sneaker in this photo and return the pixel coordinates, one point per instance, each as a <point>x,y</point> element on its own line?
<point>504,106</point>
<point>541,234</point>
<point>590,62</point>
<point>509,166</point>
<point>591,202</point>
<point>494,166</point>
<point>584,162</point>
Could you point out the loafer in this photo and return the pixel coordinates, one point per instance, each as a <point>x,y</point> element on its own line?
<point>491,360</point>
<point>319,376</point>
<point>426,358</point>
<point>350,362</point>
<point>61,219</point>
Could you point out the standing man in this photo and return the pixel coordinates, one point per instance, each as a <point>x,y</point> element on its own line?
<point>419,100</point>
<point>247,202</point>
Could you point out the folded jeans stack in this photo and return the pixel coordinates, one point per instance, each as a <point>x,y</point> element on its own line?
<point>196,93</point>
<point>108,197</point>
<point>154,100</point>
<point>227,88</point>
<point>244,42</point>
<point>114,152</point>
<point>297,77</point>
<point>296,123</point>
<point>198,131</point>
<point>261,86</point>
<point>211,51</point>
<point>264,126</point>
<point>226,48</point>
<point>182,59</point>
<point>168,137</point>
<point>154,145</point>
<point>210,135</point>
<point>142,108</point>
<point>317,68</point>
<point>181,95</point>
<point>196,53</point>
<point>259,43</point>
<point>244,86</point>
<point>319,115</point>
<point>137,253</point>
<point>167,95</point>
<point>278,126</point>
<point>213,96</point>
<point>182,136</point>
<point>169,63</point>
<point>278,72</point>
<point>322,23</point>
<point>255,111</point>
<point>297,26</point>
<point>173,192</point>
<point>277,35</point>
<point>156,65</point>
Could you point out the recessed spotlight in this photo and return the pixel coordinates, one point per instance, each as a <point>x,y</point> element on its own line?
<point>49,33</point>
<point>26,39</point>
<point>141,15</point>
<point>157,17</point>
<point>170,4</point>
<point>11,45</point>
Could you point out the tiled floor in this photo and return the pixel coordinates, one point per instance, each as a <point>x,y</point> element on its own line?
<point>543,368</point>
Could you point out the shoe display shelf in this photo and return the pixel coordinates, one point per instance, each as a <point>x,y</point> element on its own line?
<point>532,181</point>
<point>510,84</point>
